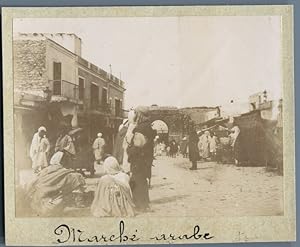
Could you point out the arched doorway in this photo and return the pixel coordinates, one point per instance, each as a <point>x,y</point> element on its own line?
<point>162,130</point>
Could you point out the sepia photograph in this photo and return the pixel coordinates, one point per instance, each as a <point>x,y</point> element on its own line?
<point>148,116</point>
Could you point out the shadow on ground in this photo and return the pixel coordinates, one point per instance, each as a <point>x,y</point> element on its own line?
<point>168,199</point>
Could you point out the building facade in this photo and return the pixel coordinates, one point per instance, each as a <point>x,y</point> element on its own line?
<point>54,85</point>
<point>270,109</point>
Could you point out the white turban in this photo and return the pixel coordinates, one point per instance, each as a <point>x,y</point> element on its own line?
<point>56,158</point>
<point>99,134</point>
<point>42,128</point>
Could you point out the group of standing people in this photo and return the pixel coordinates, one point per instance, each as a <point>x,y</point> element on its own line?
<point>159,147</point>
<point>65,142</point>
<point>205,145</point>
<point>40,148</point>
<point>123,189</point>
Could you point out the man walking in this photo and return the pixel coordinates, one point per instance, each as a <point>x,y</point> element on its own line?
<point>193,149</point>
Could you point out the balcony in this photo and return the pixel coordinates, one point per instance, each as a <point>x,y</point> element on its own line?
<point>108,110</point>
<point>101,108</point>
<point>64,90</point>
<point>124,113</point>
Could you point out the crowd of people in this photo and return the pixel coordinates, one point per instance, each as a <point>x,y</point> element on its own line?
<point>122,189</point>
<point>204,145</point>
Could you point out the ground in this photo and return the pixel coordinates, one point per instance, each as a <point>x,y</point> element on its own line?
<point>214,189</point>
<point>211,190</point>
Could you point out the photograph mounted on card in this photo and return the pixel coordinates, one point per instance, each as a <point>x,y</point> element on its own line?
<point>148,125</point>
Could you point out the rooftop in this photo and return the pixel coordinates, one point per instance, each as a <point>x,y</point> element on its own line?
<point>52,37</point>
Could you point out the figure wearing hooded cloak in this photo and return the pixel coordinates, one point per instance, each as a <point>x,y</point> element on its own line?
<point>113,194</point>
<point>39,150</point>
<point>140,156</point>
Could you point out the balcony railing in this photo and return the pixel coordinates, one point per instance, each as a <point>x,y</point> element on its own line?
<point>64,88</point>
<point>106,108</point>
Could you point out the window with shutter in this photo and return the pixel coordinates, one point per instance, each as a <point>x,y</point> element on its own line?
<point>56,78</point>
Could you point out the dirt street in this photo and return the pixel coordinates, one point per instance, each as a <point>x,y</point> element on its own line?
<point>212,190</point>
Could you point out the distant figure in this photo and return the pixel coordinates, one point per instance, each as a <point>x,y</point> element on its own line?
<point>168,149</point>
<point>203,145</point>
<point>235,143</point>
<point>184,147</point>
<point>98,147</point>
<point>156,146</point>
<point>163,148</point>
<point>113,194</point>
<point>193,149</point>
<point>39,150</point>
<point>213,146</point>
<point>173,149</point>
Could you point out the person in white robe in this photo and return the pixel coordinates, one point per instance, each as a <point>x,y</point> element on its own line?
<point>235,132</point>
<point>213,146</point>
<point>98,147</point>
<point>39,150</point>
<point>203,145</point>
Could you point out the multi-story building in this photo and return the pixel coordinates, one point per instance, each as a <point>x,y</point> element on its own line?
<point>53,84</point>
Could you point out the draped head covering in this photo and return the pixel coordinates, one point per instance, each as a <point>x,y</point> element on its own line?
<point>111,166</point>
<point>42,128</point>
<point>56,158</point>
<point>131,116</point>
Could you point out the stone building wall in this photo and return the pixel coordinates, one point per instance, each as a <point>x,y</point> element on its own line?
<point>201,114</point>
<point>29,61</point>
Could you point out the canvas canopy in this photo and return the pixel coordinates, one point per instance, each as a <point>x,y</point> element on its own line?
<point>260,140</point>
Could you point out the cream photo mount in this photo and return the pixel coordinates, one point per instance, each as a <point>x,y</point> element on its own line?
<point>25,231</point>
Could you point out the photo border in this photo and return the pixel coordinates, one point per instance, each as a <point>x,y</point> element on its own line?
<point>225,229</point>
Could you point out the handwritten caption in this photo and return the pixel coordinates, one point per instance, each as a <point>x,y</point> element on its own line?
<point>67,234</point>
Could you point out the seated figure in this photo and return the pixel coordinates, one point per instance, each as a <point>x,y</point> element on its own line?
<point>48,194</point>
<point>113,195</point>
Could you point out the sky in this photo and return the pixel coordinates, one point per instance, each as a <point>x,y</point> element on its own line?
<point>179,61</point>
